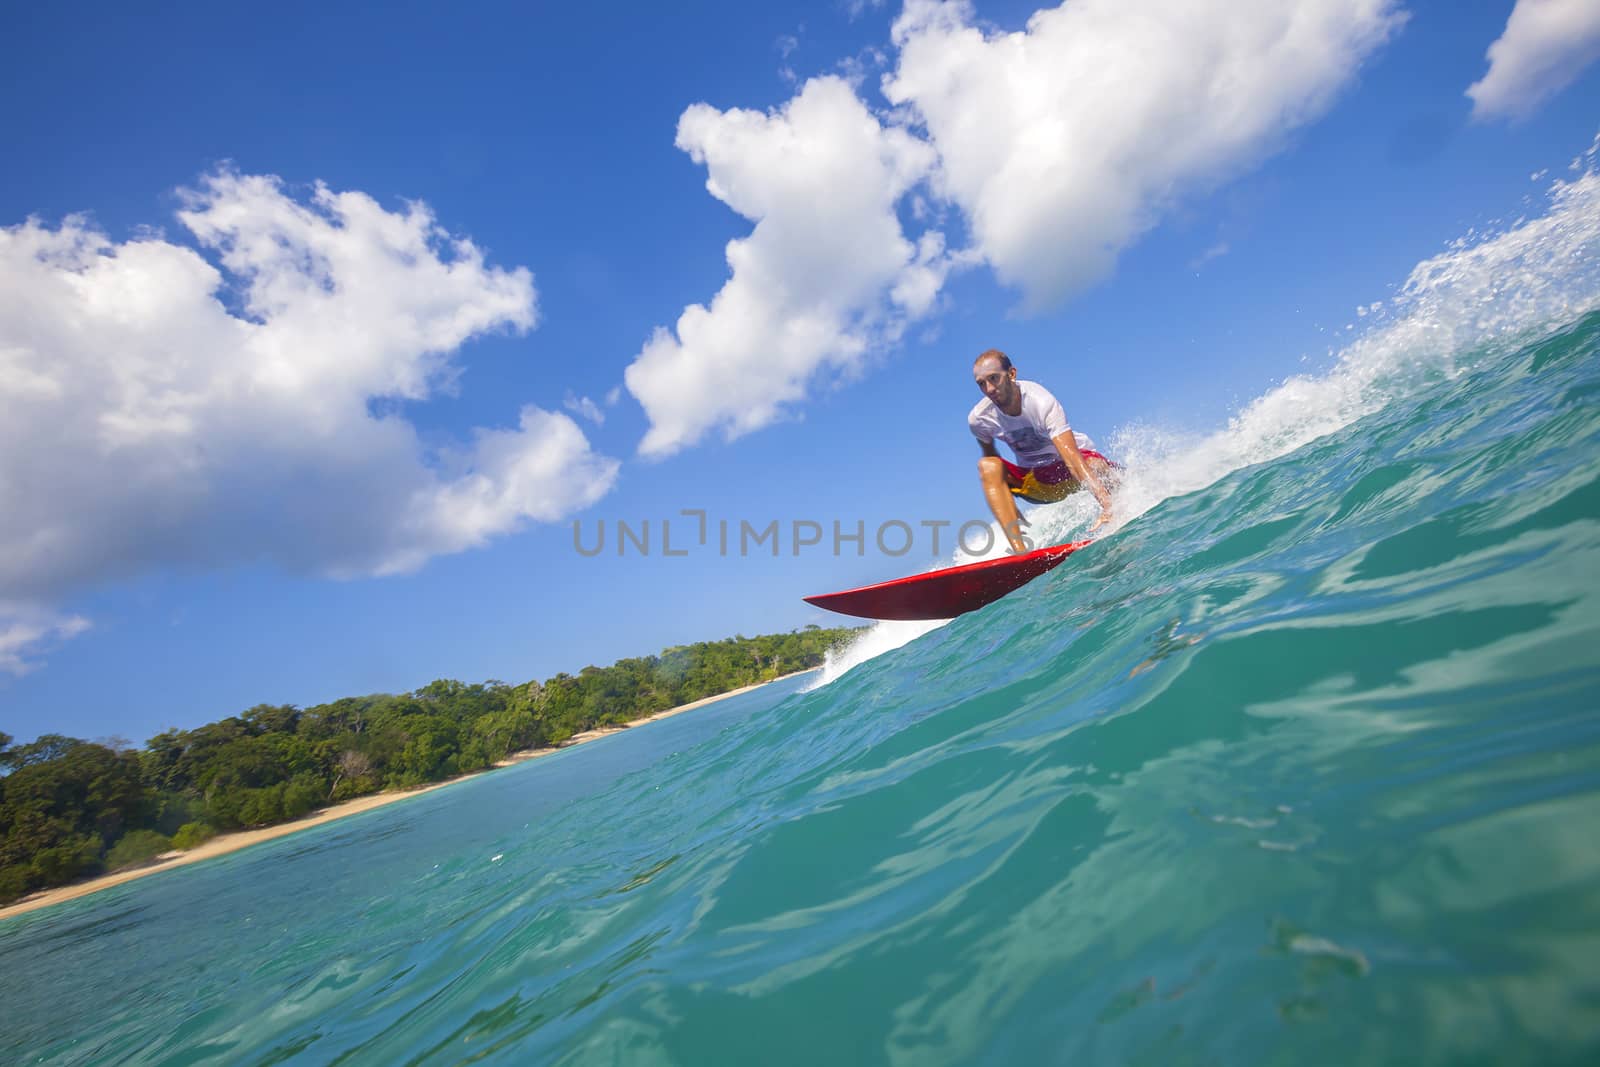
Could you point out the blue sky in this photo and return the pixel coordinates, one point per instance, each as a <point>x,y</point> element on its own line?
<point>265,444</point>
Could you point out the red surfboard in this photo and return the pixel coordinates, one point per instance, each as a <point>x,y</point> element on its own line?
<point>944,594</point>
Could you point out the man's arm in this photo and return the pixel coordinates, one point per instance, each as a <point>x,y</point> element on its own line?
<point>1067,446</point>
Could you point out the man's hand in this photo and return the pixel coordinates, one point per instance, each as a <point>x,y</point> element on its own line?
<point>1067,447</point>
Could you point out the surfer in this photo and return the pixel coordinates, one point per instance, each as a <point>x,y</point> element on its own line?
<point>1053,461</point>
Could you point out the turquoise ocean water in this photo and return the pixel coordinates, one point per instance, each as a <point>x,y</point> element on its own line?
<point>1299,766</point>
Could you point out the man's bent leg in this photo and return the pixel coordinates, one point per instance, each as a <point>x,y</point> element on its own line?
<point>997,491</point>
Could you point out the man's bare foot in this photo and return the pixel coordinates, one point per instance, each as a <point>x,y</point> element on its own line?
<point>1013,531</point>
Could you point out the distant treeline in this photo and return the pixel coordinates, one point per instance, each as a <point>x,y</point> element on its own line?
<point>71,808</point>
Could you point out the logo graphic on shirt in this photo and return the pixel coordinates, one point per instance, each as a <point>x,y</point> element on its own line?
<point>1026,439</point>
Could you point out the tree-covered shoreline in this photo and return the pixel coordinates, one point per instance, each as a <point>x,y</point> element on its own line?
<point>70,809</point>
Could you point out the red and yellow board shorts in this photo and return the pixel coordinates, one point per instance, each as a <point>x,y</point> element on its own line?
<point>1046,484</point>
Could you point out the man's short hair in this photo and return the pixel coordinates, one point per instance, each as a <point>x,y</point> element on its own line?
<point>1005,360</point>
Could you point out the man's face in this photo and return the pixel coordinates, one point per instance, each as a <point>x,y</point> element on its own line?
<point>997,383</point>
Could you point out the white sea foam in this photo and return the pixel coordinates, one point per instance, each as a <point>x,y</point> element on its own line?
<point>869,644</point>
<point>1486,289</point>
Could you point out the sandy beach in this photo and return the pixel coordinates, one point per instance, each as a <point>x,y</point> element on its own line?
<point>226,843</point>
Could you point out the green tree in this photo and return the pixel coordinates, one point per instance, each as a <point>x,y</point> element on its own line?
<point>42,749</point>
<point>429,753</point>
<point>136,847</point>
<point>84,790</point>
<point>191,834</point>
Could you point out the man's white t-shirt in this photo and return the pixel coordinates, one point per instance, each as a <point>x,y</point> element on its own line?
<point>1029,434</point>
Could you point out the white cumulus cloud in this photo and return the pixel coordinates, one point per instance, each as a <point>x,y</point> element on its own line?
<point>826,273</point>
<point>1064,142</point>
<point>162,412</point>
<point>1545,46</point>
